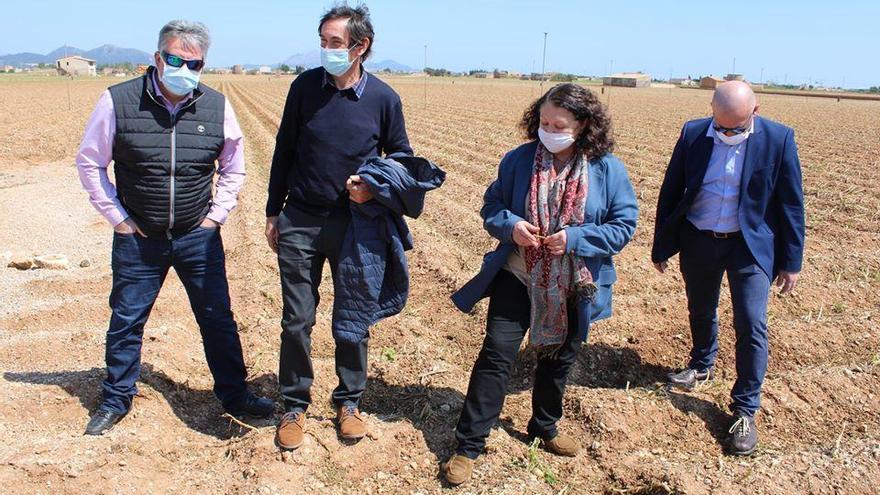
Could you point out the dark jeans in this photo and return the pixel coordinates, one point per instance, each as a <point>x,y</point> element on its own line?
<point>704,261</point>
<point>305,241</point>
<point>508,320</point>
<point>139,269</point>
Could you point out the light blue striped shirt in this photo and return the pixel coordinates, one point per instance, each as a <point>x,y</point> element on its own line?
<point>717,203</point>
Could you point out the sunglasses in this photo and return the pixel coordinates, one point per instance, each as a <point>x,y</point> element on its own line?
<point>733,130</point>
<point>175,61</point>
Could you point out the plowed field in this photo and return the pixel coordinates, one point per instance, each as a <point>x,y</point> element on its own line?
<point>820,422</point>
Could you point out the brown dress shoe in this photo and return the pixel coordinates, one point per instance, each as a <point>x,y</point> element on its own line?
<point>290,434</point>
<point>351,426</point>
<point>458,469</point>
<point>563,445</point>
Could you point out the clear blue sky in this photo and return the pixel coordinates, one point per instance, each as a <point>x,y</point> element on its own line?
<point>824,42</point>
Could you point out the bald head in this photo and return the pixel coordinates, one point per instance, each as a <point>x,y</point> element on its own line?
<point>733,104</point>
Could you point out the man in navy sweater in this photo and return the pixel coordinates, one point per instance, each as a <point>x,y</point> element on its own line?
<point>336,117</point>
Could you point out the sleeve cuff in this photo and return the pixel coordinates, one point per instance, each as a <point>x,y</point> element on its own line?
<point>570,239</point>
<point>511,223</point>
<point>116,217</point>
<point>218,214</point>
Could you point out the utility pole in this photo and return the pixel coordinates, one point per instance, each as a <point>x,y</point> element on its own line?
<point>734,66</point>
<point>68,79</point>
<point>426,76</point>
<point>762,75</point>
<point>544,63</point>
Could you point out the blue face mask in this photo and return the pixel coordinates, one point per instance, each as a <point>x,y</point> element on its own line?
<point>179,80</point>
<point>335,61</point>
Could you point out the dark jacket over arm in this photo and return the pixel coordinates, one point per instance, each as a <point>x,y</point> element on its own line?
<point>372,279</point>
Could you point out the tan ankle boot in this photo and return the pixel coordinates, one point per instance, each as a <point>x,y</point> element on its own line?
<point>458,469</point>
<point>563,445</point>
<point>291,431</point>
<point>351,425</point>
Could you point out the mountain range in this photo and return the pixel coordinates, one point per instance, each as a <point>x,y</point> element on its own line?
<point>110,54</point>
<point>313,59</point>
<point>103,55</point>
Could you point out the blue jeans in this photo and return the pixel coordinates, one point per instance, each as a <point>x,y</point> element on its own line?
<point>704,261</point>
<point>139,269</point>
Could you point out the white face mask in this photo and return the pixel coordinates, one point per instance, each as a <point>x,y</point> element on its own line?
<point>335,60</point>
<point>736,138</point>
<point>555,141</point>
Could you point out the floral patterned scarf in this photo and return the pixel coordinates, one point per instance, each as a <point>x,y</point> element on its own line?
<point>554,280</point>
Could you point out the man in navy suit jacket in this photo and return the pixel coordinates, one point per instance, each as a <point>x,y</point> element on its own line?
<point>732,202</point>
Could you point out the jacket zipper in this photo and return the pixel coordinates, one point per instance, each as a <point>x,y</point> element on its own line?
<point>173,171</point>
<point>173,116</point>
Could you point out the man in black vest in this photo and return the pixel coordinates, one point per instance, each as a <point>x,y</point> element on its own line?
<point>336,117</point>
<point>164,133</point>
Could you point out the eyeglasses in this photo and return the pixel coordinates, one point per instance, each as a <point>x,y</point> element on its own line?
<point>733,130</point>
<point>175,61</point>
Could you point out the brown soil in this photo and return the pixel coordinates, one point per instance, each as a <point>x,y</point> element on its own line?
<point>820,424</point>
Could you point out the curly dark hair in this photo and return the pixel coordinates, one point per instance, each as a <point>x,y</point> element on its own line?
<point>596,139</point>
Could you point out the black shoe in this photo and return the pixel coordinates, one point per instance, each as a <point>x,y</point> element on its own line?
<point>102,421</point>
<point>689,378</point>
<point>253,406</point>
<point>743,435</point>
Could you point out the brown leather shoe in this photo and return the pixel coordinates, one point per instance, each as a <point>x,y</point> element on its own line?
<point>290,432</point>
<point>351,426</point>
<point>563,445</point>
<point>458,469</point>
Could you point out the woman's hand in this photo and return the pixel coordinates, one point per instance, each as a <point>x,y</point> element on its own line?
<point>524,234</point>
<point>556,243</point>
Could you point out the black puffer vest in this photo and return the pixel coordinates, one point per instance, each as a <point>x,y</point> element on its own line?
<point>165,163</point>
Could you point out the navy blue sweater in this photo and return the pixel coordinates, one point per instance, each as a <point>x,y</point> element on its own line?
<point>326,135</point>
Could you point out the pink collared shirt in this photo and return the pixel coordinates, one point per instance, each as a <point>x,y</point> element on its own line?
<point>96,153</point>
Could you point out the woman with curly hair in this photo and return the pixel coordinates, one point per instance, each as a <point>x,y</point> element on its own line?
<point>561,207</point>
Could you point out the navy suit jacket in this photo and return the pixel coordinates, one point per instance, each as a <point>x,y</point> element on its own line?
<point>771,201</point>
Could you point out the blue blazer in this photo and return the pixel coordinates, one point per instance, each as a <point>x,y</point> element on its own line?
<point>771,202</point>
<point>610,217</point>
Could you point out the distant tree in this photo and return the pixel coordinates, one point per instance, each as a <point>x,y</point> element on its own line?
<point>284,68</point>
<point>437,72</point>
<point>299,70</point>
<point>563,77</point>
<point>874,89</point>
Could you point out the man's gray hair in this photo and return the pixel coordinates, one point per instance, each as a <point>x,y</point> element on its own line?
<point>193,35</point>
